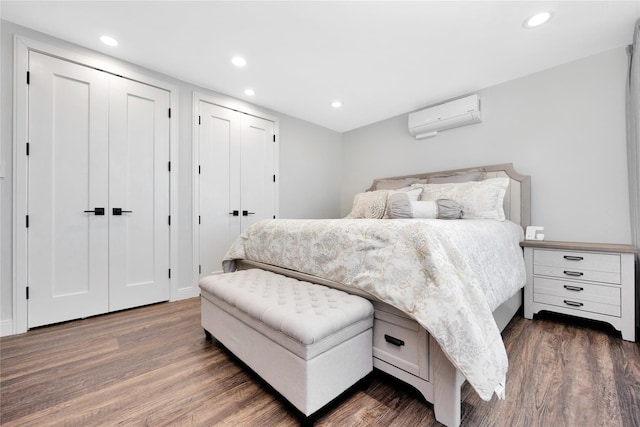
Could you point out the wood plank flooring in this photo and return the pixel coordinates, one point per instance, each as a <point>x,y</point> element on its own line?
<point>152,366</point>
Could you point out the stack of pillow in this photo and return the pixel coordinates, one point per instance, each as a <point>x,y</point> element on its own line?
<point>452,196</point>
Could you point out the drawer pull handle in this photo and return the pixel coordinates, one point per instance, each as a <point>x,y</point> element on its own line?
<point>573,303</point>
<point>573,258</point>
<point>393,340</point>
<point>573,288</point>
<point>573,273</point>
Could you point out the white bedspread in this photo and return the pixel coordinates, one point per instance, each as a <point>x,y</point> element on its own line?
<point>448,275</point>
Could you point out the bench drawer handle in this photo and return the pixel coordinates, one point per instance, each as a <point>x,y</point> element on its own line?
<point>573,258</point>
<point>573,303</point>
<point>393,340</point>
<point>573,273</point>
<point>573,288</point>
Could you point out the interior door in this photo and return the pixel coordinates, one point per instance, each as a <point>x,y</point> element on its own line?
<point>67,235</point>
<point>138,194</point>
<point>257,182</point>
<point>219,173</point>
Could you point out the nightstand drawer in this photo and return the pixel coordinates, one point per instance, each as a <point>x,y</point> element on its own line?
<point>577,273</point>
<point>578,296</point>
<point>400,342</point>
<point>580,260</point>
<point>593,267</point>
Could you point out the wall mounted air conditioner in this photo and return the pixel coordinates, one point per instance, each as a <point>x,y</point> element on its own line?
<point>460,112</point>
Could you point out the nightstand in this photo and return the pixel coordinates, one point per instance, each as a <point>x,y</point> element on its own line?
<point>589,280</point>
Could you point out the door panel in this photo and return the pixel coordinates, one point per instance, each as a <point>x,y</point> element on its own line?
<point>219,165</point>
<point>139,186</point>
<point>67,247</point>
<point>257,166</point>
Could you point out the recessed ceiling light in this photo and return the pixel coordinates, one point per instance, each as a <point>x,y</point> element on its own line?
<point>537,20</point>
<point>336,104</point>
<point>109,41</point>
<point>238,61</point>
<point>249,92</point>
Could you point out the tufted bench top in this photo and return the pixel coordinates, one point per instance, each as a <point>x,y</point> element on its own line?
<point>305,312</point>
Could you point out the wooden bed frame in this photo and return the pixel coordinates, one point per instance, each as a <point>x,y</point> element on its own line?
<point>437,380</point>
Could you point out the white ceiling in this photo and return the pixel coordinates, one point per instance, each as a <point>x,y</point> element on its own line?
<point>380,58</point>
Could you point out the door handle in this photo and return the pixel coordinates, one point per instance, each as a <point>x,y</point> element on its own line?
<point>247,213</point>
<point>234,213</point>
<point>119,211</point>
<point>97,211</point>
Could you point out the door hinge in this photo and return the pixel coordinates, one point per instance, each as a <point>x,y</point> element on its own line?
<point>169,166</point>
<point>28,77</point>
<point>27,292</point>
<point>199,170</point>
<point>169,112</point>
<point>199,219</point>
<point>27,148</point>
<point>274,217</point>
<point>274,138</point>
<point>200,269</point>
<point>274,178</point>
<point>27,221</point>
<point>169,219</point>
<point>169,273</point>
<point>199,120</point>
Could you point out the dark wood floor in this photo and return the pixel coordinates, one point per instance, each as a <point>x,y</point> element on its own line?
<point>152,366</point>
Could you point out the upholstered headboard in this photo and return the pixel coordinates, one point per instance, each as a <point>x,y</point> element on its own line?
<point>517,200</point>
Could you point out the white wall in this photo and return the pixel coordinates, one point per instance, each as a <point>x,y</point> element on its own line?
<point>308,158</point>
<point>564,126</point>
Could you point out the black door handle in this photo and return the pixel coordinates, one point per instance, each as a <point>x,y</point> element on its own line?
<point>234,213</point>
<point>119,211</point>
<point>247,213</point>
<point>97,211</point>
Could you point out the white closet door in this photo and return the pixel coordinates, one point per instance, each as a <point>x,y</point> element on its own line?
<point>218,178</point>
<point>139,187</point>
<point>67,176</point>
<point>257,186</point>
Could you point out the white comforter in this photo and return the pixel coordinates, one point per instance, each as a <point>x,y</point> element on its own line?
<point>448,275</point>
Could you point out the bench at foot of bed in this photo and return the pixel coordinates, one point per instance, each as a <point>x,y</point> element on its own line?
<point>308,341</point>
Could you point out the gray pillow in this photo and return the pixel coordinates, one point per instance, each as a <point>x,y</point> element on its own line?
<point>400,206</point>
<point>473,175</point>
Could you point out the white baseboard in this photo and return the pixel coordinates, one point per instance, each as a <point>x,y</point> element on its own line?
<point>184,293</point>
<point>6,327</point>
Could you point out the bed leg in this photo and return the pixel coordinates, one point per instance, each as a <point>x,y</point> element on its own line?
<point>207,335</point>
<point>447,382</point>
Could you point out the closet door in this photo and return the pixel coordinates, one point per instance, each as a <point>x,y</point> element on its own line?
<point>138,194</point>
<point>236,185</point>
<point>257,185</point>
<point>218,169</point>
<point>67,236</point>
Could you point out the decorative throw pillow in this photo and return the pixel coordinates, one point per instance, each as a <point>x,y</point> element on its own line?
<point>401,199</point>
<point>370,204</point>
<point>432,209</point>
<point>481,199</point>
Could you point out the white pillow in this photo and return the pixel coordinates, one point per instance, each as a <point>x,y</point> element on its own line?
<point>481,199</point>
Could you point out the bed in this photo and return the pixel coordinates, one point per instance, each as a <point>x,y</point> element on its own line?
<point>443,290</point>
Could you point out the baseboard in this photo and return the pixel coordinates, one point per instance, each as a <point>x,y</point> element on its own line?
<point>6,327</point>
<point>184,293</point>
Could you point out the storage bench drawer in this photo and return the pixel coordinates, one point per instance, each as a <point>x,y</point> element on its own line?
<point>401,342</point>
